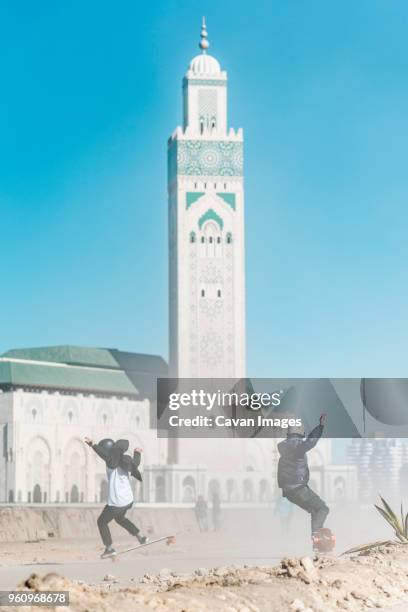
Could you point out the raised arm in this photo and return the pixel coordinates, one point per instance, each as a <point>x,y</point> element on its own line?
<point>313,437</point>
<point>96,448</point>
<point>137,456</point>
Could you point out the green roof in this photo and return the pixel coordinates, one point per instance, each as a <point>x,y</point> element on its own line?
<point>82,369</point>
<point>59,377</point>
<point>74,355</point>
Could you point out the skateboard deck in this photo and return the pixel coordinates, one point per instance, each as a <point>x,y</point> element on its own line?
<point>169,540</point>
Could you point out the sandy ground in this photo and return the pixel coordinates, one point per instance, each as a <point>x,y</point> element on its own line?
<point>358,582</point>
<point>80,561</point>
<point>238,569</point>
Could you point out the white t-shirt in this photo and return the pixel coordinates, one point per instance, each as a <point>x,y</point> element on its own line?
<point>119,489</point>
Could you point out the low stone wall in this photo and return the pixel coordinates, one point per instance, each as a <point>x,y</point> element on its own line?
<point>24,523</point>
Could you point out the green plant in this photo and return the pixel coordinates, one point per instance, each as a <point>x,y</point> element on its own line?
<point>400,526</point>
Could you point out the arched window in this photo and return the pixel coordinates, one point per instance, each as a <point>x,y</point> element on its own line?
<point>192,237</point>
<point>210,239</point>
<point>264,490</point>
<point>201,125</point>
<point>202,239</point>
<point>219,293</point>
<point>213,122</point>
<point>160,489</point>
<point>189,489</point>
<point>229,238</point>
<point>103,491</point>
<point>213,488</point>
<point>34,413</point>
<point>202,293</point>
<point>70,415</point>
<point>37,497</point>
<point>231,489</point>
<point>219,240</point>
<point>74,494</point>
<point>248,490</point>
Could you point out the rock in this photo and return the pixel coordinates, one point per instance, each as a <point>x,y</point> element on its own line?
<point>109,578</point>
<point>309,568</point>
<point>147,578</point>
<point>221,571</point>
<point>290,562</point>
<point>297,605</point>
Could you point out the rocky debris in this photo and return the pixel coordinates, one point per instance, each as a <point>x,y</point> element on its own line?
<point>110,578</point>
<point>224,576</point>
<point>298,606</point>
<point>299,568</point>
<point>361,582</point>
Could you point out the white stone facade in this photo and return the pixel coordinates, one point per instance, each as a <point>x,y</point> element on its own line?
<point>44,458</point>
<point>206,231</point>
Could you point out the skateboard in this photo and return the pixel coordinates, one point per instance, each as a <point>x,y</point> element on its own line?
<point>169,540</point>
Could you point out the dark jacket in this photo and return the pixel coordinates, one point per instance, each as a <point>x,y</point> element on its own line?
<point>293,470</point>
<point>114,459</point>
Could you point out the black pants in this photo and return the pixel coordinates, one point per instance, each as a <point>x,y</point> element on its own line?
<point>306,499</point>
<point>110,513</point>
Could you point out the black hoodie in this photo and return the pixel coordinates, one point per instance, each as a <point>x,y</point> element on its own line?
<point>293,469</point>
<point>116,458</point>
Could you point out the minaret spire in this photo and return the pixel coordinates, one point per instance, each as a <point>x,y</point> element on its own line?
<point>204,44</point>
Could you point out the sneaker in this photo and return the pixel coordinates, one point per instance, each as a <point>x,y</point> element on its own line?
<point>108,552</point>
<point>142,539</point>
<point>323,540</point>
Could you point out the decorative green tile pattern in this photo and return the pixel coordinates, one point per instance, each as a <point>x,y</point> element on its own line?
<point>210,214</point>
<point>229,198</point>
<point>205,158</point>
<point>193,196</point>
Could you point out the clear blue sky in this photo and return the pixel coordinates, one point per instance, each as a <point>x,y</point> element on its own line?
<point>90,93</point>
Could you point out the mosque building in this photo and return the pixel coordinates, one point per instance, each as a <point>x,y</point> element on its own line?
<point>51,397</point>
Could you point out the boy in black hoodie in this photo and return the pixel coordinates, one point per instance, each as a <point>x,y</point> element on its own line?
<point>119,468</point>
<point>293,473</point>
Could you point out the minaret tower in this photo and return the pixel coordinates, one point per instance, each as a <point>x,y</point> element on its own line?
<point>206,229</point>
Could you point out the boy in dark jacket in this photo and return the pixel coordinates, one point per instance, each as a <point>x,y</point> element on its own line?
<point>293,473</point>
<point>120,495</point>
